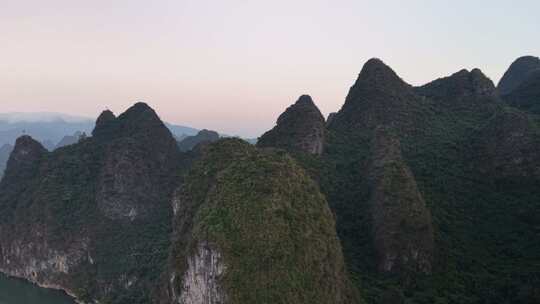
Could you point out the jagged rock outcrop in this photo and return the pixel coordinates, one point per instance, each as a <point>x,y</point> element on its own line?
<point>203,137</point>
<point>140,158</point>
<point>252,227</point>
<point>301,128</point>
<point>201,280</point>
<point>517,73</point>
<point>403,232</point>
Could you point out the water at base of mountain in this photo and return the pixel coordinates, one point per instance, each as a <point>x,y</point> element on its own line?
<point>16,291</point>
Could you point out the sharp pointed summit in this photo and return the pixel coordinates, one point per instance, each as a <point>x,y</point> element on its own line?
<point>376,73</point>
<point>24,158</point>
<point>379,96</point>
<point>301,128</point>
<point>105,119</point>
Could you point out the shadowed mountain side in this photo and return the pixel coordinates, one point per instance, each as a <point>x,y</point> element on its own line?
<point>300,128</point>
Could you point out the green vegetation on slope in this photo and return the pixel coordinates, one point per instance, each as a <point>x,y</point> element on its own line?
<point>486,224</point>
<point>54,210</point>
<point>273,226</point>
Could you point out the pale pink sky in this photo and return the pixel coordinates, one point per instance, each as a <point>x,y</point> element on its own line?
<point>234,66</point>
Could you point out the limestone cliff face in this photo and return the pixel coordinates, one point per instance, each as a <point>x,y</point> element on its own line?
<point>301,128</point>
<point>137,147</point>
<point>92,218</point>
<point>25,250</point>
<point>201,282</point>
<point>403,232</point>
<point>252,227</point>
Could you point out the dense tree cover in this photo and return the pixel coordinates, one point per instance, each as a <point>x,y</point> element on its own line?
<point>270,222</point>
<point>476,164</point>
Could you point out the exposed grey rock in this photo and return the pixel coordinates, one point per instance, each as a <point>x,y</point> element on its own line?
<point>201,281</point>
<point>140,153</point>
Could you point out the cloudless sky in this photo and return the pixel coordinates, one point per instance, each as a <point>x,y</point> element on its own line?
<point>235,65</point>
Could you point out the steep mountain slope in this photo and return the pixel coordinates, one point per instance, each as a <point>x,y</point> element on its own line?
<point>517,73</point>
<point>300,128</point>
<point>94,217</point>
<point>441,179</point>
<point>526,96</point>
<point>403,232</point>
<point>252,227</point>
<point>113,218</point>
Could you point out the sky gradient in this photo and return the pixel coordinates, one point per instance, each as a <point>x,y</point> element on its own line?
<point>235,65</point>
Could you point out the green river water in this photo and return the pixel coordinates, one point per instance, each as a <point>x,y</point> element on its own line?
<point>15,291</point>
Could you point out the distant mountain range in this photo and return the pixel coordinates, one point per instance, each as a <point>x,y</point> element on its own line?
<point>50,128</point>
<point>55,130</point>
